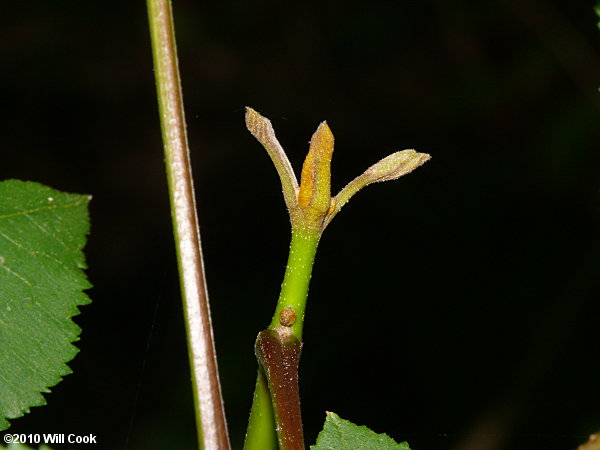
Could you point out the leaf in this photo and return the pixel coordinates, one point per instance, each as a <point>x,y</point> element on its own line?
<point>42,233</point>
<point>340,434</point>
<point>22,447</point>
<point>261,128</point>
<point>389,168</point>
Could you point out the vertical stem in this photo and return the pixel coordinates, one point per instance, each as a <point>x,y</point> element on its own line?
<point>294,289</point>
<point>294,293</point>
<point>261,434</point>
<point>210,415</point>
<point>278,355</point>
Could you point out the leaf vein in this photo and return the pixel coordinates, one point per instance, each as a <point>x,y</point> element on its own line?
<point>12,272</point>
<point>44,208</point>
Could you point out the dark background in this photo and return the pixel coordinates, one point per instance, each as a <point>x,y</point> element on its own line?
<point>457,308</point>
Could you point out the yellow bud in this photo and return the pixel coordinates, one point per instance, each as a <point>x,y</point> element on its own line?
<point>315,182</point>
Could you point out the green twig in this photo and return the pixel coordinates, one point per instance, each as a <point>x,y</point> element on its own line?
<point>311,207</point>
<point>261,434</point>
<point>287,322</point>
<point>210,416</point>
<point>294,289</point>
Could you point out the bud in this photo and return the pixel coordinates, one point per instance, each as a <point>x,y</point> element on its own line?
<point>314,195</point>
<point>389,168</point>
<point>262,130</point>
<point>310,204</point>
<point>395,165</point>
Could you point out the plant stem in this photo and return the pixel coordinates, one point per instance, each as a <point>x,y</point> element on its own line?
<point>210,415</point>
<point>294,289</point>
<point>311,208</point>
<point>261,434</point>
<point>294,292</point>
<point>278,354</point>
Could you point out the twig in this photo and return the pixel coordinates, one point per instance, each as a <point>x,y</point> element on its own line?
<point>210,415</point>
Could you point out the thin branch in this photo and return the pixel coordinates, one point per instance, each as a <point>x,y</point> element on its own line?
<point>210,415</point>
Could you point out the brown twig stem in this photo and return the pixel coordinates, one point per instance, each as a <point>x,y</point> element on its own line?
<point>210,416</point>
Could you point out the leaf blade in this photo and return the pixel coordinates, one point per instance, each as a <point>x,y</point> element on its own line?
<point>340,434</point>
<point>42,233</point>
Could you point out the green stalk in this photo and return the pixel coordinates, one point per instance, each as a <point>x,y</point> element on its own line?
<point>294,293</point>
<point>208,404</point>
<point>294,289</point>
<point>261,434</point>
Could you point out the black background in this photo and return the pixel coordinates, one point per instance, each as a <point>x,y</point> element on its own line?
<point>457,308</point>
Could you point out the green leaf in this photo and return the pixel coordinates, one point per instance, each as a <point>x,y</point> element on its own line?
<point>340,434</point>
<point>42,233</point>
<point>22,447</point>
